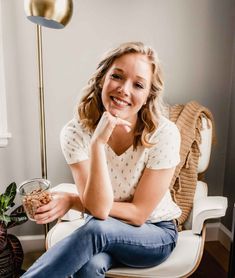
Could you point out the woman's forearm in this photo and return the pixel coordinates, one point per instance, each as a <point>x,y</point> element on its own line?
<point>98,192</point>
<point>128,212</point>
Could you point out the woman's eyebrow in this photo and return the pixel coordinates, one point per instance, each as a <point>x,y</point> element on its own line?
<point>118,69</point>
<point>142,78</point>
<point>122,71</point>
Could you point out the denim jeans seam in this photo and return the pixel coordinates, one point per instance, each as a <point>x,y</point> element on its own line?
<point>155,245</point>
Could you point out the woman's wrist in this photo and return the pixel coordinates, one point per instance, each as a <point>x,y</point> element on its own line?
<point>95,143</point>
<point>97,147</point>
<point>76,203</point>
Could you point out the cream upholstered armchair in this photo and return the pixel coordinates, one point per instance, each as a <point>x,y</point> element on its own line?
<point>187,254</point>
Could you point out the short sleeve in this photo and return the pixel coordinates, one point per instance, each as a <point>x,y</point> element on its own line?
<point>74,142</point>
<point>166,152</point>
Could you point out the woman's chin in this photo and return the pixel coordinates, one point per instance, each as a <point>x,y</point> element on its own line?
<point>113,111</point>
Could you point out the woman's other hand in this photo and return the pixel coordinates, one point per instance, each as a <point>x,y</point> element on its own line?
<point>106,126</point>
<point>61,202</point>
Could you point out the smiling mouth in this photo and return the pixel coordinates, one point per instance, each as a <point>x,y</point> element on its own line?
<point>120,102</point>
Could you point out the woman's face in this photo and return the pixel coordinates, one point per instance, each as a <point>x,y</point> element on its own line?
<point>127,85</point>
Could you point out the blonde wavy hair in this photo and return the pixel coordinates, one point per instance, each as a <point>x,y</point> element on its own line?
<point>90,108</point>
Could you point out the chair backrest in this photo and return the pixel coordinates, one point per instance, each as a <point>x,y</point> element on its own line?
<point>204,159</point>
<point>205,145</point>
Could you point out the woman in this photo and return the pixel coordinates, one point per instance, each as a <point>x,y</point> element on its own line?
<point>122,153</point>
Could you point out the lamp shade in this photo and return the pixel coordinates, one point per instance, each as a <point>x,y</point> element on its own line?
<point>49,13</point>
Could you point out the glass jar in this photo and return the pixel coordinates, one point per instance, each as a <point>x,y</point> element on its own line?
<point>34,194</point>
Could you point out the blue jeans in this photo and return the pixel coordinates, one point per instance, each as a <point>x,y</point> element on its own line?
<point>101,244</point>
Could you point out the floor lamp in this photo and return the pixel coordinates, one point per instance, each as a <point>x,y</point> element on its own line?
<point>52,14</point>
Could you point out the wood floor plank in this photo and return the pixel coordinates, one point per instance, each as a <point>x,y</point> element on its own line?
<point>219,252</point>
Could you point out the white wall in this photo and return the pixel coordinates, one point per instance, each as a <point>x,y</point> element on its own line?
<point>194,43</point>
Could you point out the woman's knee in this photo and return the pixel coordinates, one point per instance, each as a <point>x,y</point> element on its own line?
<point>99,227</point>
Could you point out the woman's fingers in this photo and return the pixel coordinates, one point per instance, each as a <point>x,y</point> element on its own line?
<point>47,216</point>
<point>124,123</point>
<point>56,208</point>
<point>116,120</point>
<point>46,207</point>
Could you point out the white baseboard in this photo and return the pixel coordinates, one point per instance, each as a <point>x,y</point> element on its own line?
<point>218,232</point>
<point>32,243</point>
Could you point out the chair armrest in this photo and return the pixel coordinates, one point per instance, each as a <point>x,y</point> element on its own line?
<point>69,188</point>
<point>207,208</point>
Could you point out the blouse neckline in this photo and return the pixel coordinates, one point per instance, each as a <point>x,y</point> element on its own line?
<point>122,154</point>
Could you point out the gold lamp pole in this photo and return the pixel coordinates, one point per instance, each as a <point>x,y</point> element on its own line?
<point>52,14</point>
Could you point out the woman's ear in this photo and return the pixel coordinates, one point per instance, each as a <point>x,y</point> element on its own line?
<point>145,101</point>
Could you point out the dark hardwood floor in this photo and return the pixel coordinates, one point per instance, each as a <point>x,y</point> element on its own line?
<point>30,258</point>
<point>214,262</point>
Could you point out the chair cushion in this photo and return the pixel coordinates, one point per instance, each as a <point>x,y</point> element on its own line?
<point>61,230</point>
<point>181,261</point>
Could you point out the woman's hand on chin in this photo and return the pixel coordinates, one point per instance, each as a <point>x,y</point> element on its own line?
<point>106,126</point>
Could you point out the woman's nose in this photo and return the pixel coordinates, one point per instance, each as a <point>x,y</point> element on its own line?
<point>125,88</point>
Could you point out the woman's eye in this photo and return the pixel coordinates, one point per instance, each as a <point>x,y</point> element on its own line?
<point>116,76</point>
<point>139,86</point>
